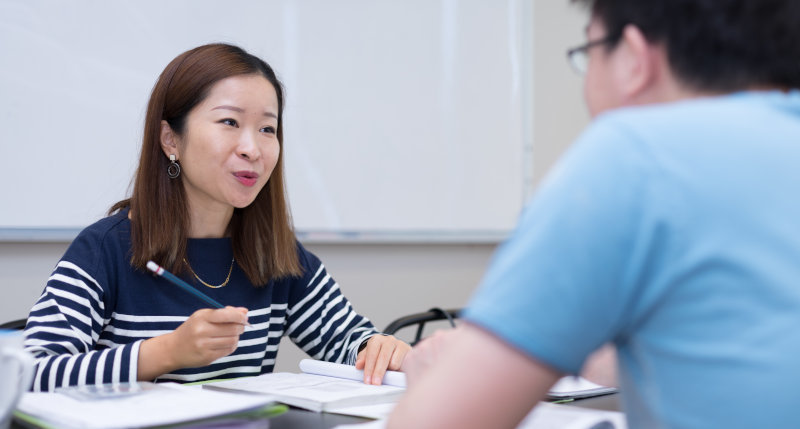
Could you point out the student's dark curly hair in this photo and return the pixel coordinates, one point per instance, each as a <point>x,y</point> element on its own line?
<point>715,45</point>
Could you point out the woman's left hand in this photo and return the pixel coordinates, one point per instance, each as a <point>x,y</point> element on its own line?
<point>382,352</point>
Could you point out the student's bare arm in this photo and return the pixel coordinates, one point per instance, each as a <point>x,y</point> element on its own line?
<point>475,381</point>
<point>601,366</point>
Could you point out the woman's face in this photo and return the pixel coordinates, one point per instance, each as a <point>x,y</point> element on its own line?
<point>229,146</point>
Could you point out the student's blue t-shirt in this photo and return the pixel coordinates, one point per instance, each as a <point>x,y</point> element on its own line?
<point>672,231</point>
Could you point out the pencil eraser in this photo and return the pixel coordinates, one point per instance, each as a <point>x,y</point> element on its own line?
<point>152,266</point>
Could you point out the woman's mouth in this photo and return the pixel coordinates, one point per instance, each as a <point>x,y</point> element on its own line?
<point>246,178</point>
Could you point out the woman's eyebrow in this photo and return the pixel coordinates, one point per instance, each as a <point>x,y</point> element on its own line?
<point>240,110</point>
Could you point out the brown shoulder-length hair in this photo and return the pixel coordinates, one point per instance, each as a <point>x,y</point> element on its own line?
<point>262,237</point>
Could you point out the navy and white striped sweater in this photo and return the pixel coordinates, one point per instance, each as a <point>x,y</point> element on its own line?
<point>96,310</point>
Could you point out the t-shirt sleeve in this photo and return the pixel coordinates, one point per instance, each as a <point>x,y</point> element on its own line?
<point>321,320</point>
<point>560,286</point>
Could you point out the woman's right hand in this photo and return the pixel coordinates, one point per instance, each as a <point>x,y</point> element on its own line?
<point>204,337</point>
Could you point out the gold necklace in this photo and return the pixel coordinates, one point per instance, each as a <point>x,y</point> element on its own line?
<point>227,279</point>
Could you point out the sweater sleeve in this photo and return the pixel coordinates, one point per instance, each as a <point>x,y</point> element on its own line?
<point>321,320</point>
<point>64,328</point>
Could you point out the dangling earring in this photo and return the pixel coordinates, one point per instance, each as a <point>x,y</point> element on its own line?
<point>174,169</point>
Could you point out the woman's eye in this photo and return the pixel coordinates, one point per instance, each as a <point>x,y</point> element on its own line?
<point>268,130</point>
<point>229,121</point>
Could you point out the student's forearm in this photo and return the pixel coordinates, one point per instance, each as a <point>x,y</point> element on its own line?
<point>478,381</point>
<point>601,366</point>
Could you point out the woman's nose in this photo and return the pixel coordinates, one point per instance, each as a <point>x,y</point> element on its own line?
<point>248,149</point>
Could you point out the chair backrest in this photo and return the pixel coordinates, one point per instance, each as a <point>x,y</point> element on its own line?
<point>420,319</point>
<point>18,324</point>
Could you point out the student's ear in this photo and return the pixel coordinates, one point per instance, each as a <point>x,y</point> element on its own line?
<point>169,140</point>
<point>637,70</point>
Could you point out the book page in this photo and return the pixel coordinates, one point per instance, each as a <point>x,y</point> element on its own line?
<point>314,392</point>
<point>330,369</point>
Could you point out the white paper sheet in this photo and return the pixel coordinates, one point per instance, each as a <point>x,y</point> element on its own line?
<point>330,369</point>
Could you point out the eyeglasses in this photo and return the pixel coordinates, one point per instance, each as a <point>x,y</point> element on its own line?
<point>578,56</point>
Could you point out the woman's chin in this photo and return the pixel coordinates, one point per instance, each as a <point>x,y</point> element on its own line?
<point>242,203</point>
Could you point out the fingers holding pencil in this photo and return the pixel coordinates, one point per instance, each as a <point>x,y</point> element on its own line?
<point>229,316</point>
<point>207,335</point>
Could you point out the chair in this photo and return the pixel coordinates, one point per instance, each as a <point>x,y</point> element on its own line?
<point>18,324</point>
<point>420,319</point>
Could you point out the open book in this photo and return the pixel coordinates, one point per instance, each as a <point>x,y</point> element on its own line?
<point>330,386</point>
<point>337,388</point>
<point>567,387</point>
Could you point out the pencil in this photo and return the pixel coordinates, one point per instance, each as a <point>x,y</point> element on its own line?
<point>157,269</point>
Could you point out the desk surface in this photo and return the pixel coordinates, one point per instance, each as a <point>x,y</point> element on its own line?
<point>296,418</point>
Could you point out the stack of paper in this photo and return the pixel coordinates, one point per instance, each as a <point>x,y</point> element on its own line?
<point>142,405</point>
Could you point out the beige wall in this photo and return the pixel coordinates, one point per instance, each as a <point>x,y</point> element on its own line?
<point>385,281</point>
<point>559,112</point>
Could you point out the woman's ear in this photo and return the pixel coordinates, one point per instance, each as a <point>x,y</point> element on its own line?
<point>169,140</point>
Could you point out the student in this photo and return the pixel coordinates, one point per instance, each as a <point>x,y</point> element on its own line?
<point>207,204</point>
<point>671,229</point>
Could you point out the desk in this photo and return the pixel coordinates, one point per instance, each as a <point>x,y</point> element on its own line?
<point>296,418</point>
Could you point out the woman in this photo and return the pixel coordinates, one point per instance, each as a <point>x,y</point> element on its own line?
<point>207,204</point>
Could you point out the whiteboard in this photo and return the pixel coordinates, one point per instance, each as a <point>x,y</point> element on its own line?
<point>403,118</point>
